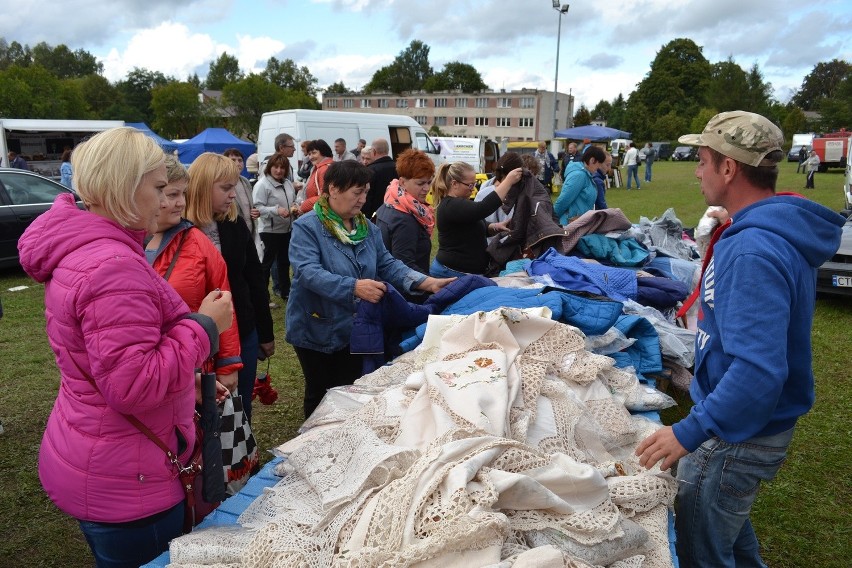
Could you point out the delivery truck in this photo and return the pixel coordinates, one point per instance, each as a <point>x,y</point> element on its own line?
<point>401,132</point>
<point>832,149</point>
<point>41,142</point>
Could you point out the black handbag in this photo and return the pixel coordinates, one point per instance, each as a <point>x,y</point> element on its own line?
<point>213,485</point>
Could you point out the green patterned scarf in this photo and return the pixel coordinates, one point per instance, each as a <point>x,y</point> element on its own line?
<point>334,223</point>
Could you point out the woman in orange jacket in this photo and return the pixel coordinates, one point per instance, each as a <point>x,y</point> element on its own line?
<point>189,261</point>
<point>321,157</point>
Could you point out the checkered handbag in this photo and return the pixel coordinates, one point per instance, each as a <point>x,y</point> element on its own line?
<point>239,448</point>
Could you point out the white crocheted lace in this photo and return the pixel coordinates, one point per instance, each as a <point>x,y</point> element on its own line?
<point>497,443</point>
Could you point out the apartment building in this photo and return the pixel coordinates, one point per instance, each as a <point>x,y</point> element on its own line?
<point>519,115</point>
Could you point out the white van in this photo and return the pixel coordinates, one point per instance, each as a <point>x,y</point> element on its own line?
<point>401,132</point>
<point>482,155</point>
<point>42,142</point>
<point>847,182</point>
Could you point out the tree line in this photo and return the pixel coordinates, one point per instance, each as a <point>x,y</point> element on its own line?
<point>679,93</point>
<point>683,90</point>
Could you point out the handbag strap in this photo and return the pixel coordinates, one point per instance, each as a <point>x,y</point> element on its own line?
<point>177,253</point>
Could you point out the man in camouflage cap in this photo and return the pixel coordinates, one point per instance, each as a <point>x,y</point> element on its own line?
<point>753,375</point>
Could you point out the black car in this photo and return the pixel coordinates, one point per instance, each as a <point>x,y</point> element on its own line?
<point>793,154</point>
<point>685,153</point>
<point>835,276</point>
<point>24,195</point>
<point>663,149</point>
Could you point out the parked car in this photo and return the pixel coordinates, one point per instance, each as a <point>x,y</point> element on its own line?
<point>835,276</point>
<point>793,154</point>
<point>24,195</point>
<point>664,150</point>
<point>685,153</point>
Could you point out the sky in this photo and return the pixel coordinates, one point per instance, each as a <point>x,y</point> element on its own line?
<point>605,48</point>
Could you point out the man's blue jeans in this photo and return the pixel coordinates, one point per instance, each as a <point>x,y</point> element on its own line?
<point>129,545</point>
<point>633,171</point>
<point>648,168</point>
<point>717,485</point>
<point>438,270</point>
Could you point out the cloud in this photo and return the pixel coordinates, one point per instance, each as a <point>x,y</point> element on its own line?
<point>601,61</point>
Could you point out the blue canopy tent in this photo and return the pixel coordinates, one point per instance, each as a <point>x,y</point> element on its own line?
<point>213,140</point>
<point>592,132</point>
<point>166,145</point>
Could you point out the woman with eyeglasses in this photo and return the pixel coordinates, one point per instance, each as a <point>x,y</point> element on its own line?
<point>462,227</point>
<point>405,219</point>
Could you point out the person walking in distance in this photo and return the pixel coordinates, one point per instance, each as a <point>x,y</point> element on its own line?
<point>650,156</point>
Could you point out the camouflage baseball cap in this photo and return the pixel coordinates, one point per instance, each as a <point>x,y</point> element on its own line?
<point>744,136</point>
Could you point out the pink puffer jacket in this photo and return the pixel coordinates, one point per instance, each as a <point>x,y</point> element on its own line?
<point>123,344</point>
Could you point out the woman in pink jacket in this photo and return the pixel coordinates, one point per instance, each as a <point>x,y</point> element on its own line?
<point>125,344</point>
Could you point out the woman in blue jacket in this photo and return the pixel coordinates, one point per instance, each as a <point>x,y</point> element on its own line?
<point>579,190</point>
<point>338,260</point>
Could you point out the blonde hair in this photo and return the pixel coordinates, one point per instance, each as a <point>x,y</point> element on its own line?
<point>175,171</point>
<point>207,169</point>
<point>108,168</point>
<point>444,178</point>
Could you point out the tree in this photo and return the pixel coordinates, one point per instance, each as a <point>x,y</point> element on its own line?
<point>617,112</point>
<point>821,83</point>
<point>14,54</point>
<point>456,76</point>
<point>794,121</point>
<point>837,110</point>
<point>582,117</point>
<point>668,127</point>
<point>677,80</point>
<point>759,92</point>
<point>64,63</point>
<point>602,111</point>
<point>136,92</point>
<point>97,93</point>
<point>225,70</point>
<point>337,88</point>
<point>408,72</point>
<point>728,87</point>
<point>252,96</point>
<point>177,112</point>
<point>700,120</point>
<point>287,75</point>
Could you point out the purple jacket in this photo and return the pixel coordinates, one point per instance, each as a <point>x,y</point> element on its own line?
<point>123,344</point>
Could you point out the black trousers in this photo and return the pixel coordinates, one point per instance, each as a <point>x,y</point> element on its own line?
<point>276,246</point>
<point>810,181</point>
<point>323,371</point>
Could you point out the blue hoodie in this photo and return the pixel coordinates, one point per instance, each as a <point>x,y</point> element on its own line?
<point>753,373</point>
<point>578,193</point>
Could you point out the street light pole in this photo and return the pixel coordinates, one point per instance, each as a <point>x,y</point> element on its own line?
<point>562,9</point>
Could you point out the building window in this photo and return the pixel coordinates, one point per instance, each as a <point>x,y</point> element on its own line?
<point>421,120</point>
<point>460,121</point>
<point>332,103</point>
<point>421,103</point>
<point>440,121</point>
<point>401,103</point>
<point>481,102</point>
<point>440,103</point>
<point>383,103</point>
<point>461,102</point>
<point>525,122</point>
<point>481,121</point>
<point>365,103</point>
<point>504,102</point>
<point>503,121</point>
<point>527,102</point>
<point>347,103</point>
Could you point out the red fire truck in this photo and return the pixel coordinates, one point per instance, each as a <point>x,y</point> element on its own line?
<point>832,149</point>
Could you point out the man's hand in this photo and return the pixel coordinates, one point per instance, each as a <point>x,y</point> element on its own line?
<point>661,445</point>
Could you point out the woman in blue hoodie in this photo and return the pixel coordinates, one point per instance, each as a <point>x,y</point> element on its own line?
<point>579,190</point>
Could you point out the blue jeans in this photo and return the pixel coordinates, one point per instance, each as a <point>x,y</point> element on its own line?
<point>120,545</point>
<point>249,348</point>
<point>648,167</point>
<point>633,171</point>
<point>717,485</point>
<point>438,270</point>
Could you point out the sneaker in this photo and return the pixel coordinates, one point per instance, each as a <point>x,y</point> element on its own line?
<point>263,389</point>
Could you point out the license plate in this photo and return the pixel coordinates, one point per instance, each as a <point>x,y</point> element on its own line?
<point>841,281</point>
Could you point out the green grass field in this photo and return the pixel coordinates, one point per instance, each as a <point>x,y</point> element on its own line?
<point>802,518</point>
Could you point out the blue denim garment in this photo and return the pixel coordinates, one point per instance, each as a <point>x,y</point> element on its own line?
<point>322,301</point>
<point>632,173</point>
<point>128,545</point>
<point>717,485</point>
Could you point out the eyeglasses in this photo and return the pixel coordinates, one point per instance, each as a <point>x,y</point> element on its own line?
<point>469,185</point>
